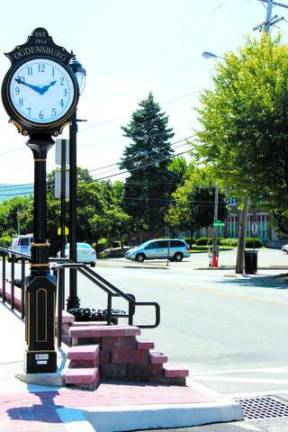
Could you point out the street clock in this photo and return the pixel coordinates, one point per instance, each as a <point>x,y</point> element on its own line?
<point>40,92</point>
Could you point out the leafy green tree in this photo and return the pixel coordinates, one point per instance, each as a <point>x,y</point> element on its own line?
<point>193,203</point>
<point>15,213</point>
<point>147,159</point>
<point>244,122</point>
<point>99,212</point>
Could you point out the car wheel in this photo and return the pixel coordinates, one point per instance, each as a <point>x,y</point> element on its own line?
<point>178,257</point>
<point>140,257</point>
<point>92,264</point>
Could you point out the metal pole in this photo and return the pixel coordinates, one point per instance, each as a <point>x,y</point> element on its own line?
<point>73,300</point>
<point>63,196</point>
<point>41,288</point>
<point>215,252</point>
<point>268,16</point>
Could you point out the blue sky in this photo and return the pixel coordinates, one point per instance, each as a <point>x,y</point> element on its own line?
<point>129,48</point>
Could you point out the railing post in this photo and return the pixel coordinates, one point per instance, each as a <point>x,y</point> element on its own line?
<point>60,275</point>
<point>12,280</point>
<point>22,288</point>
<point>131,311</point>
<point>3,278</point>
<point>109,307</point>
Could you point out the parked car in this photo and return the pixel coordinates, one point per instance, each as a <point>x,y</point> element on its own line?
<point>22,244</point>
<point>172,249</point>
<point>285,248</point>
<point>85,253</point>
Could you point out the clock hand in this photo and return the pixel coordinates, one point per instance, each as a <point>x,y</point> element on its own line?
<point>45,88</point>
<point>33,87</point>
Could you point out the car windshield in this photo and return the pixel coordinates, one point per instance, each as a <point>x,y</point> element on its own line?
<point>24,241</point>
<point>145,244</point>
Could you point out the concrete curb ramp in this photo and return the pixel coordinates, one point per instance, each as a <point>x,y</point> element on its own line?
<point>128,418</point>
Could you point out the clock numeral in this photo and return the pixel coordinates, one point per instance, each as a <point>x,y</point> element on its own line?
<point>17,91</point>
<point>41,67</point>
<point>22,78</point>
<point>62,81</point>
<point>20,102</point>
<point>41,115</point>
<point>53,72</point>
<point>30,70</point>
<point>65,92</point>
<point>53,112</point>
<point>29,111</point>
<point>61,103</point>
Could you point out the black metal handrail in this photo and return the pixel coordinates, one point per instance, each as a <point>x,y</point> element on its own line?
<point>59,271</point>
<point>112,291</point>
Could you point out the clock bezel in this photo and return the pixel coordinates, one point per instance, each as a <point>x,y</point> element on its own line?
<point>23,124</point>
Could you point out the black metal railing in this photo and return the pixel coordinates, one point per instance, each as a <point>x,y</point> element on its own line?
<point>60,264</point>
<point>111,292</point>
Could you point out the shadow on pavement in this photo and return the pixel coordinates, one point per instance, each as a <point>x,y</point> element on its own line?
<point>276,281</point>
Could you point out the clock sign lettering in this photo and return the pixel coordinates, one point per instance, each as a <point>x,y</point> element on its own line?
<point>41,90</point>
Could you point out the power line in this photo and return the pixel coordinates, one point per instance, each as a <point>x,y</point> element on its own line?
<point>141,157</point>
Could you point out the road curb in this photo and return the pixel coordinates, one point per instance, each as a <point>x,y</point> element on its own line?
<point>127,418</point>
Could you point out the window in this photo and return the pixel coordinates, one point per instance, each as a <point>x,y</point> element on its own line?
<point>153,245</point>
<point>163,244</point>
<point>177,243</point>
<point>24,242</point>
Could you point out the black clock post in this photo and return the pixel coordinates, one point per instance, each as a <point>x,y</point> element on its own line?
<point>40,94</point>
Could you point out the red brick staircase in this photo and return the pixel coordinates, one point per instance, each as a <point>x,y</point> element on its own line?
<point>115,353</point>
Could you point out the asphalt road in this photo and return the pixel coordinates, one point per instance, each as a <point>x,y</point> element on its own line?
<point>230,331</point>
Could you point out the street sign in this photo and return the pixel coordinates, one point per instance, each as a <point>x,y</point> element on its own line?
<point>254,228</point>
<point>58,150</point>
<point>218,223</point>
<point>58,184</point>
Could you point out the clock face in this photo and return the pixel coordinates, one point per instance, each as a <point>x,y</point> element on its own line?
<point>41,91</point>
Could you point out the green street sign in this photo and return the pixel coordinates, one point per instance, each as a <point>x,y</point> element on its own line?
<point>218,223</point>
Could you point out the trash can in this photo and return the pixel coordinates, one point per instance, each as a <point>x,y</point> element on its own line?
<point>250,261</point>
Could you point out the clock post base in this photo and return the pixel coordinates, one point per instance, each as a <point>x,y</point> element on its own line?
<point>40,361</point>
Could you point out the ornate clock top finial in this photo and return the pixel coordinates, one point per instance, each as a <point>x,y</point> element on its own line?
<point>39,43</point>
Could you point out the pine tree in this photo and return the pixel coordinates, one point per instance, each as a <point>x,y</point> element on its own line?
<point>147,158</point>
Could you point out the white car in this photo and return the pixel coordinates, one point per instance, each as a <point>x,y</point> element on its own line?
<point>22,244</point>
<point>85,253</point>
<point>285,248</point>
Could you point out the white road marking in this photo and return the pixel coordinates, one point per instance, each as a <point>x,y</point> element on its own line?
<point>276,370</point>
<point>245,380</point>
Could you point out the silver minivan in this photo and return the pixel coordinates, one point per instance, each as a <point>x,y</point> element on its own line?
<point>172,249</point>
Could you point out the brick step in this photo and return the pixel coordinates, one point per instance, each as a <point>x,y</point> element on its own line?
<point>83,356</point>
<point>90,334</point>
<point>158,357</point>
<point>89,323</point>
<point>142,345</point>
<point>174,371</point>
<point>87,378</point>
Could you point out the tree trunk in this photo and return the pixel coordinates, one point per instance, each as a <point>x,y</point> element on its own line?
<point>242,236</point>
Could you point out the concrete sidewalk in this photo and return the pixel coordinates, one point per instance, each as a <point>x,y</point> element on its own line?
<point>112,407</point>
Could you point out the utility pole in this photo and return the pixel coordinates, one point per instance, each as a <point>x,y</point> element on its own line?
<point>215,251</point>
<point>270,20</point>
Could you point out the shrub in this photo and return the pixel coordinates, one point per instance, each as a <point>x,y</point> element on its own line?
<point>203,241</point>
<point>101,244</point>
<point>228,242</point>
<point>189,240</point>
<point>252,242</point>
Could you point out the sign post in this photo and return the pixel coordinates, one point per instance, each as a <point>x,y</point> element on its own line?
<point>40,94</point>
